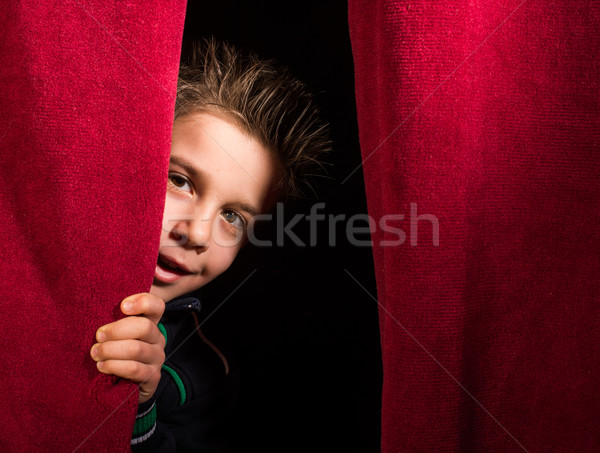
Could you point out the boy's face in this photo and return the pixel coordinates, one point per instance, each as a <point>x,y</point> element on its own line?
<point>219,179</point>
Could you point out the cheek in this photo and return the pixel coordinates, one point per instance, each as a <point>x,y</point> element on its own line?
<point>174,209</point>
<point>222,259</point>
<point>167,212</point>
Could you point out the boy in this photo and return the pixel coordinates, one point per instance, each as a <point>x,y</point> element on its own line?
<point>245,134</point>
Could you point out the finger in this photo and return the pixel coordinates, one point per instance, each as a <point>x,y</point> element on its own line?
<point>145,304</point>
<point>135,350</point>
<point>132,327</point>
<point>144,374</point>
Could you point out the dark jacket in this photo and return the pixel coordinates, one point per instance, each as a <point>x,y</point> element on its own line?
<point>191,408</point>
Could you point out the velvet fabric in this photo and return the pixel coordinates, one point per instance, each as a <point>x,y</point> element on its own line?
<point>479,123</point>
<point>86,108</point>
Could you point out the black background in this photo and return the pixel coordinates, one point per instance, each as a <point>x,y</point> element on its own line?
<point>304,332</point>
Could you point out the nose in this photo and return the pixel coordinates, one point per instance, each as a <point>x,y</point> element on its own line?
<point>192,233</point>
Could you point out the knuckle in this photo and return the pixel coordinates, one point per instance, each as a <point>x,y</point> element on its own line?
<point>148,328</point>
<point>161,305</point>
<point>151,383</point>
<point>135,351</point>
<point>133,369</point>
<point>143,299</point>
<point>153,302</point>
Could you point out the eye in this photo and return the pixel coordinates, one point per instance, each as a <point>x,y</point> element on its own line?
<point>179,182</point>
<point>233,218</point>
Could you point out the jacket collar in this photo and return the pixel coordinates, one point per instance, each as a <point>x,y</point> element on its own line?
<point>186,302</point>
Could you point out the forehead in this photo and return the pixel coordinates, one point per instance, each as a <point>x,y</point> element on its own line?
<point>224,160</point>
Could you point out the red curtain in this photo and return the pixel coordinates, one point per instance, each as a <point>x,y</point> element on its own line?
<point>480,121</point>
<point>86,106</point>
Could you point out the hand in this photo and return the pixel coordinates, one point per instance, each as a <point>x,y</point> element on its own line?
<point>133,347</point>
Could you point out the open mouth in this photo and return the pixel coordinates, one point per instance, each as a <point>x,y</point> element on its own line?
<point>168,271</point>
<point>171,265</point>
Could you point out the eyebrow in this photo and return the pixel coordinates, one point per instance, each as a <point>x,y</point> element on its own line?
<point>198,175</point>
<point>187,166</point>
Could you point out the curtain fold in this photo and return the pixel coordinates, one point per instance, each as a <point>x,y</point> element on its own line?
<point>86,108</point>
<point>479,123</point>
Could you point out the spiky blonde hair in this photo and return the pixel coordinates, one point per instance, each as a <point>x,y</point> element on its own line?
<point>264,100</point>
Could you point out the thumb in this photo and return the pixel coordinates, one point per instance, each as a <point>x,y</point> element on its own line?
<point>144,304</point>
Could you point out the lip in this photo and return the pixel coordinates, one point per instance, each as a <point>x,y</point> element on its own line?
<point>166,274</point>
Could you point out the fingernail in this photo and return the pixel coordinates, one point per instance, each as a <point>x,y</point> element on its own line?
<point>99,365</point>
<point>95,352</point>
<point>100,336</point>
<point>127,306</point>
